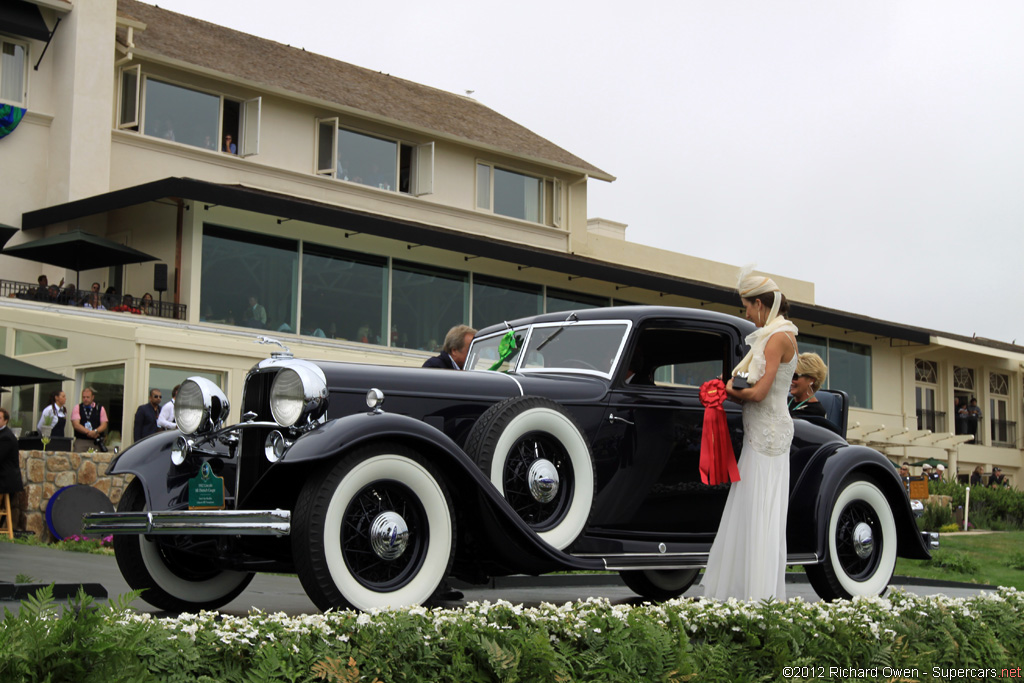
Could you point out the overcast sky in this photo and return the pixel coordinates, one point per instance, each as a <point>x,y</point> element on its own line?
<point>875,148</point>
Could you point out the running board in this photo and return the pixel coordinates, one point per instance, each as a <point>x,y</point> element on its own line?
<point>662,561</point>
<point>191,523</point>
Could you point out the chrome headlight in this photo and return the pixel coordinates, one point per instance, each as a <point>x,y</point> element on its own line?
<point>298,395</point>
<point>200,406</point>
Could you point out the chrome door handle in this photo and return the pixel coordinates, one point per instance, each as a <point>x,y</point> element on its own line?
<point>615,418</point>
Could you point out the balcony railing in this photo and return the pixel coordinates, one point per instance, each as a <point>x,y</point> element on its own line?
<point>934,420</point>
<point>83,298</point>
<point>1004,433</point>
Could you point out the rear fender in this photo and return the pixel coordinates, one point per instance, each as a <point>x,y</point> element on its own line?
<point>819,485</point>
<point>478,504</point>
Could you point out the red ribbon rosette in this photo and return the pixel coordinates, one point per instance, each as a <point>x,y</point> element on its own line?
<point>717,460</point>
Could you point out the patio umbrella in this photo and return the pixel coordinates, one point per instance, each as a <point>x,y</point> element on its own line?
<point>14,373</point>
<point>78,250</point>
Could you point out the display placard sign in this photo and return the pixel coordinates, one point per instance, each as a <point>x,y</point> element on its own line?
<point>206,490</point>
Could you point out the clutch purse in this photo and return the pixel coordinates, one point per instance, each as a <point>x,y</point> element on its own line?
<point>739,381</point>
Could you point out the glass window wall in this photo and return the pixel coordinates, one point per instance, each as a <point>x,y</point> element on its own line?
<point>426,303</point>
<point>344,295</point>
<point>496,300</point>
<point>561,300</point>
<point>849,366</point>
<point>249,279</point>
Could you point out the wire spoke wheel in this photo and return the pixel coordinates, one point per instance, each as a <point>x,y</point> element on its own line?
<point>365,563</point>
<point>534,448</point>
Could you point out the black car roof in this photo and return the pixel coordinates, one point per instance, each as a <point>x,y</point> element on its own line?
<point>633,313</point>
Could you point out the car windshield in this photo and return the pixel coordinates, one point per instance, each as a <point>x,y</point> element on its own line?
<point>583,346</point>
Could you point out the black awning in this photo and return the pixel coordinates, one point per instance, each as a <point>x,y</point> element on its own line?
<point>288,207</point>
<point>24,19</point>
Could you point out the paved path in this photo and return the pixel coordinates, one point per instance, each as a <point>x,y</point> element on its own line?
<point>279,593</point>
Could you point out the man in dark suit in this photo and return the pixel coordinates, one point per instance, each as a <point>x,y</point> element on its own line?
<point>146,415</point>
<point>10,461</point>
<point>453,353</point>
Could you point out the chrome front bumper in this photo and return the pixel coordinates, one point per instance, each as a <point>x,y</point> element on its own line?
<point>192,522</point>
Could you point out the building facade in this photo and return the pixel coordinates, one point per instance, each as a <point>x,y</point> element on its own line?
<point>355,216</point>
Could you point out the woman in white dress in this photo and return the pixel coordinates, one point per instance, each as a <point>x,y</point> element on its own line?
<point>748,558</point>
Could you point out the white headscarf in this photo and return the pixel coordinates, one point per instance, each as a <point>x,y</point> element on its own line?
<point>749,287</point>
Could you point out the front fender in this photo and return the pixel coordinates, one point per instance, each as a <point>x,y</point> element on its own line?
<point>475,497</point>
<point>819,485</point>
<point>166,484</point>
<point>350,431</point>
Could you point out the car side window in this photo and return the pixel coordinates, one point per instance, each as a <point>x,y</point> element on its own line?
<point>676,358</point>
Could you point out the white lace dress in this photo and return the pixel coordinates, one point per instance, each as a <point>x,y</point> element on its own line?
<point>748,557</point>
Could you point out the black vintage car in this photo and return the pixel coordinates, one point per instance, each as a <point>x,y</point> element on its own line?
<point>572,441</point>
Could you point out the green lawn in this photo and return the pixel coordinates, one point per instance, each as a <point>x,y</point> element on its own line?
<point>990,552</point>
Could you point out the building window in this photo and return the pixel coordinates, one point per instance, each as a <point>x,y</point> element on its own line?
<point>26,342</point>
<point>926,374</point>
<point>1002,430</point>
<point>249,279</point>
<point>13,72</point>
<point>425,303</point>
<point>509,193</point>
<point>496,300</point>
<point>108,385</point>
<point>562,300</point>
<point>963,379</point>
<point>191,117</point>
<point>373,160</point>
<point>849,366</point>
<point>344,295</point>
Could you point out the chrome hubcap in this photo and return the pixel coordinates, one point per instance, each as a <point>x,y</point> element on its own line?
<point>543,478</point>
<point>389,535</point>
<point>863,540</point>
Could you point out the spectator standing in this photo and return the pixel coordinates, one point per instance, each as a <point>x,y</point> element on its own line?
<point>10,458</point>
<point>256,316</point>
<point>146,416</point>
<point>89,420</point>
<point>166,419</point>
<point>976,475</point>
<point>997,480</point>
<point>453,353</point>
<point>56,412</point>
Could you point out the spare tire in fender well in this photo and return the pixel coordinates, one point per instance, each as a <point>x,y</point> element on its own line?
<point>535,454</point>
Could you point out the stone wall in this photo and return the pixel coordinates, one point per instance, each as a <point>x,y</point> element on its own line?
<point>46,472</point>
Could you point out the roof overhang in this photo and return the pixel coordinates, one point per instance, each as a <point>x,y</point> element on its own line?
<point>295,208</point>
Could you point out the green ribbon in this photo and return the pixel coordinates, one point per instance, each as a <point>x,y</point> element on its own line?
<point>506,349</point>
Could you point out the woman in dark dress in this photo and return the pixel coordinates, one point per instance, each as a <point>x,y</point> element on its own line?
<point>810,374</point>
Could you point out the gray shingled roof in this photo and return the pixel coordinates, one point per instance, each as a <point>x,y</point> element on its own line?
<point>269,63</point>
